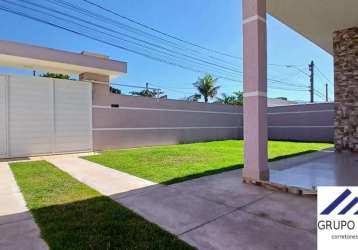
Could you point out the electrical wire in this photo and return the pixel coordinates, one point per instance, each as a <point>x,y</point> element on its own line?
<point>160,32</point>
<point>84,11</point>
<point>113,44</point>
<point>324,76</point>
<point>161,49</point>
<point>140,53</point>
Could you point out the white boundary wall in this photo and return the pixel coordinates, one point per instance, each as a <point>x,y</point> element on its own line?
<point>307,122</point>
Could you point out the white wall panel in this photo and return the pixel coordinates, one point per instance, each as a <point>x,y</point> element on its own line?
<point>3,116</point>
<point>30,116</point>
<point>73,119</point>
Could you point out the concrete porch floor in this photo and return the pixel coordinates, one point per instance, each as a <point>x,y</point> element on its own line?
<point>323,168</point>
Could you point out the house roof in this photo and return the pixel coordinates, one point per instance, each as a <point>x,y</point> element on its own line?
<point>274,102</point>
<point>20,55</point>
<point>316,20</point>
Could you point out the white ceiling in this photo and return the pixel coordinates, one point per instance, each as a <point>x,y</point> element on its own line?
<point>316,19</point>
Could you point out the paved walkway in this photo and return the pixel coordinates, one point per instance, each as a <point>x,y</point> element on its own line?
<point>105,180</point>
<point>213,212</point>
<point>17,228</point>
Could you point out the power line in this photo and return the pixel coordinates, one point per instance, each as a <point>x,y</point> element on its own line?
<point>112,44</point>
<point>298,69</point>
<point>288,89</point>
<point>132,86</point>
<point>126,27</point>
<point>324,76</point>
<point>160,32</point>
<point>320,95</point>
<point>130,50</point>
<point>175,90</point>
<point>161,49</point>
<point>287,83</point>
<point>121,47</point>
<point>284,65</point>
<point>173,36</point>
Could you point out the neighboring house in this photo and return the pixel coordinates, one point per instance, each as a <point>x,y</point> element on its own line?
<point>274,102</point>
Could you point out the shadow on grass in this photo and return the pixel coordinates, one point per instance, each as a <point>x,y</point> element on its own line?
<point>229,168</point>
<point>281,157</point>
<point>202,174</point>
<point>100,223</point>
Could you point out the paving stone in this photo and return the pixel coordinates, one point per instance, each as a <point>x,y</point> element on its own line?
<point>22,235</point>
<point>243,231</point>
<point>174,210</point>
<point>225,188</point>
<point>288,209</point>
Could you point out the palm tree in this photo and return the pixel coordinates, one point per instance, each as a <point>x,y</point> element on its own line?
<point>235,99</point>
<point>239,97</point>
<point>206,87</point>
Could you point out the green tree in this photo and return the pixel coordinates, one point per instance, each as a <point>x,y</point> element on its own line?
<point>192,98</point>
<point>235,99</point>
<point>206,87</point>
<point>115,90</point>
<point>148,92</point>
<point>56,75</point>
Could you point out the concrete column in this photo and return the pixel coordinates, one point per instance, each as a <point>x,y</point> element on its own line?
<point>100,91</point>
<point>89,76</point>
<point>255,90</point>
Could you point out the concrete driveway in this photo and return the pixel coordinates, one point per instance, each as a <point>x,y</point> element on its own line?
<point>220,212</point>
<point>213,212</point>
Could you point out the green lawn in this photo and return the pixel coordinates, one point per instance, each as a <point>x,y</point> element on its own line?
<point>170,164</point>
<point>73,216</point>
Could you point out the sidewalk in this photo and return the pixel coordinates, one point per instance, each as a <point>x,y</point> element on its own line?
<point>17,228</point>
<point>105,180</point>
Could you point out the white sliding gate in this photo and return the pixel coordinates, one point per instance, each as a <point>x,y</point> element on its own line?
<point>3,116</point>
<point>44,116</point>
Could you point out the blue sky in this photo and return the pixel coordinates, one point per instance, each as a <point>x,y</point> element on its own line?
<point>211,23</point>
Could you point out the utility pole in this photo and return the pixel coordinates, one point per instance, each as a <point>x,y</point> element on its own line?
<point>326,92</point>
<point>311,70</point>
<point>147,86</point>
